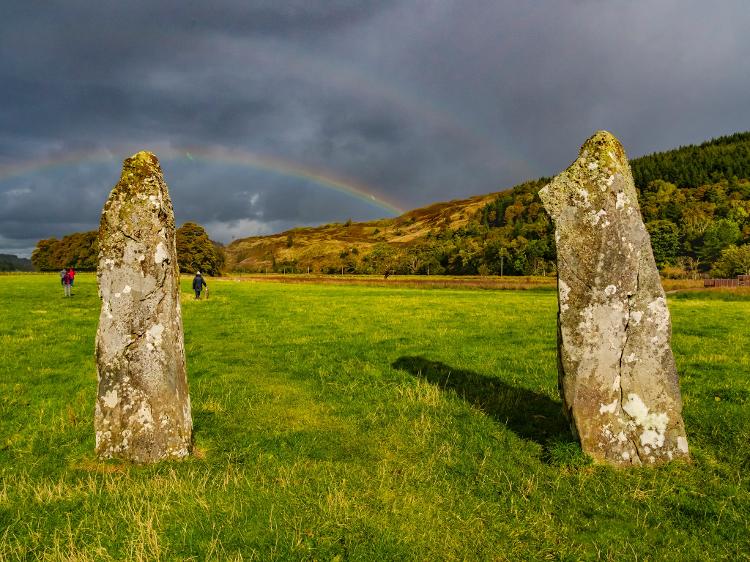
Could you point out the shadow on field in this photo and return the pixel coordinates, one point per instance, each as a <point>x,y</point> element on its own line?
<point>527,413</point>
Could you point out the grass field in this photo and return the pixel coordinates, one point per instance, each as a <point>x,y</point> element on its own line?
<point>341,422</point>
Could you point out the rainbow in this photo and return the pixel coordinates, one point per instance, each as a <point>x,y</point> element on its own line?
<point>256,161</point>
<point>287,168</point>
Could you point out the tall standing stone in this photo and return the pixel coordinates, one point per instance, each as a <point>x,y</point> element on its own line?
<point>617,375</point>
<point>142,406</point>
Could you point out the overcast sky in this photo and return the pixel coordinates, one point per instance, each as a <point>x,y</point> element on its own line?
<point>261,110</point>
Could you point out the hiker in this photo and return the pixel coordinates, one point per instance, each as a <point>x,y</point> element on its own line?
<point>63,272</point>
<point>71,274</point>
<point>66,281</point>
<point>198,284</point>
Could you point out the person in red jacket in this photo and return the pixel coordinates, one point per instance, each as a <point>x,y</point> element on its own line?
<point>71,275</point>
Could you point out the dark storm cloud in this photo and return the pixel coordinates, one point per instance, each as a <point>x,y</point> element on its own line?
<point>419,100</point>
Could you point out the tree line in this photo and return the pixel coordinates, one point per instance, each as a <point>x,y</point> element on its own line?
<point>195,251</point>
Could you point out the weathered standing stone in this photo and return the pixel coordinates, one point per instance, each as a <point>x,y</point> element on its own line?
<point>142,406</point>
<point>617,375</point>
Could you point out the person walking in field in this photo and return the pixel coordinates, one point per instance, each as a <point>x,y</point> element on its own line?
<point>71,274</point>
<point>198,284</point>
<point>66,283</point>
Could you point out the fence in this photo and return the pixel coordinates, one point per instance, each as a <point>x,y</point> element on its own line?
<point>739,281</point>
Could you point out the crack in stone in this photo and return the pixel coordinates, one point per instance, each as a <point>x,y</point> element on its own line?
<point>622,354</point>
<point>126,235</point>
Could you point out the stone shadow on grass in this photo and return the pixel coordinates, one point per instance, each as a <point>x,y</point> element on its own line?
<point>528,414</point>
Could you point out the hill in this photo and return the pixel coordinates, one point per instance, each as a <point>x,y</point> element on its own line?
<point>361,247</point>
<point>695,202</point>
<point>9,262</point>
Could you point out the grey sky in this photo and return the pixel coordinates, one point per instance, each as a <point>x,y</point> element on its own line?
<point>411,101</point>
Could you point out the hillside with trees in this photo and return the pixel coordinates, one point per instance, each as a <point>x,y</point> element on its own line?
<point>695,202</point>
<point>10,262</point>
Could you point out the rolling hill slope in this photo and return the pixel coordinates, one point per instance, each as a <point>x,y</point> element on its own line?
<point>695,201</point>
<point>326,248</point>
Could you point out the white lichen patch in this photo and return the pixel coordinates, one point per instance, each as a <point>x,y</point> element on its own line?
<point>659,314</point>
<point>583,198</point>
<point>609,408</point>
<point>126,289</point>
<point>595,217</point>
<point>636,316</point>
<point>610,290</point>
<point>160,255</point>
<point>616,383</point>
<point>110,398</point>
<point>144,417</point>
<point>632,358</point>
<point>593,165</point>
<point>102,437</point>
<point>682,444</point>
<point>622,200</point>
<point>154,336</point>
<point>564,291</point>
<point>654,424</point>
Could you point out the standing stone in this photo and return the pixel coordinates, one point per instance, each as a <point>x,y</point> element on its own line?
<point>142,406</point>
<point>617,375</point>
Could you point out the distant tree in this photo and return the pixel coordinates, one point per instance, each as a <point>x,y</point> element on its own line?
<point>734,260</point>
<point>721,234</point>
<point>43,255</point>
<point>196,252</point>
<point>665,241</point>
<point>79,250</point>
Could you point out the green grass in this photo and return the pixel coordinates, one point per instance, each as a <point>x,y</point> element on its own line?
<point>363,423</point>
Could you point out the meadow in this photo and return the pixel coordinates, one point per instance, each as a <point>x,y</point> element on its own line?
<point>340,422</point>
